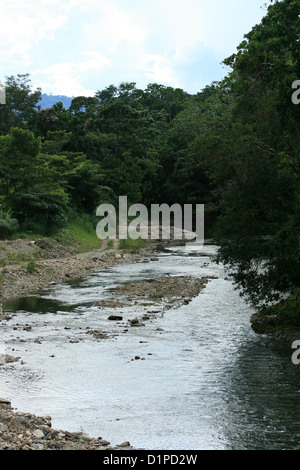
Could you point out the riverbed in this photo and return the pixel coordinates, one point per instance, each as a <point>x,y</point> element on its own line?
<point>179,373</point>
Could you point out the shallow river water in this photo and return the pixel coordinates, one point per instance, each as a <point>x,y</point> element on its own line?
<point>207,380</point>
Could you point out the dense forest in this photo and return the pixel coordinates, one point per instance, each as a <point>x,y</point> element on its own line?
<point>234,146</point>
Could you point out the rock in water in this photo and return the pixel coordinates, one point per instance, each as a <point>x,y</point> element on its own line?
<point>115,318</point>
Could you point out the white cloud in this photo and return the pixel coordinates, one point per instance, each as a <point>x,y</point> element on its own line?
<point>76,45</point>
<point>122,35</point>
<point>159,69</point>
<point>156,38</point>
<point>66,78</point>
<point>28,22</point>
<point>109,25</point>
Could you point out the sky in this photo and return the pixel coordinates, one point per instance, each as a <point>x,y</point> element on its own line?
<point>77,47</point>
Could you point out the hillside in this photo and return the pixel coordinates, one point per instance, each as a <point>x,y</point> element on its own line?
<point>48,101</point>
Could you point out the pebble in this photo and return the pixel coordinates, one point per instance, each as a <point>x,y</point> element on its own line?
<point>38,433</point>
<point>124,444</point>
<point>85,437</point>
<point>104,443</point>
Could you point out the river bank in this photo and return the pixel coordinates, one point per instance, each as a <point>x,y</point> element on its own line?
<point>26,431</point>
<point>280,321</point>
<point>28,265</point>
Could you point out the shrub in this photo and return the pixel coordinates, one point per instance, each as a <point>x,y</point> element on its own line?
<point>8,225</point>
<point>31,266</point>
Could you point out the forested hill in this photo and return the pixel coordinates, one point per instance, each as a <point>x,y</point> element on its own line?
<point>47,101</point>
<point>233,146</point>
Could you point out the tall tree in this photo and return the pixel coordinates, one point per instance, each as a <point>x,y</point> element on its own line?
<point>259,227</point>
<point>20,109</point>
<point>27,187</point>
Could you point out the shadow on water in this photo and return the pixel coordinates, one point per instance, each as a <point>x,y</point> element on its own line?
<point>36,304</point>
<point>262,409</point>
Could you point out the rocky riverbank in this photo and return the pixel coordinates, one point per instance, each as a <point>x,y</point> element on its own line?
<point>274,326</point>
<point>25,431</point>
<point>28,266</point>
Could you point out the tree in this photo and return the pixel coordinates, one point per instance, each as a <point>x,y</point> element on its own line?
<point>81,178</point>
<point>186,147</point>
<point>122,135</point>
<point>28,189</point>
<point>81,103</point>
<point>160,98</point>
<point>21,107</point>
<point>259,225</point>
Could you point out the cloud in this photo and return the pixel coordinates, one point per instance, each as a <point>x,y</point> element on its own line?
<point>160,69</point>
<point>122,35</point>
<point>110,25</point>
<point>66,78</point>
<point>78,46</point>
<point>25,23</point>
<point>157,39</point>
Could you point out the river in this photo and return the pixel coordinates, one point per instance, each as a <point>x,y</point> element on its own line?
<point>205,380</point>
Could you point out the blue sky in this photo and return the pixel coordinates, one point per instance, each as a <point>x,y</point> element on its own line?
<point>76,47</point>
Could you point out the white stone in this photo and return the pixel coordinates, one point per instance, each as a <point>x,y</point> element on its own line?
<point>38,433</point>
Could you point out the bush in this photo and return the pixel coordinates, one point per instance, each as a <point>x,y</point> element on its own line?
<point>8,225</point>
<point>31,266</point>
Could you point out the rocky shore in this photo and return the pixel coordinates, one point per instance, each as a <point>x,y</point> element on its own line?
<point>52,264</point>
<point>25,431</point>
<point>273,326</point>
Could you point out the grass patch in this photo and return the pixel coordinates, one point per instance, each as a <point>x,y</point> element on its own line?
<point>31,266</point>
<point>15,258</point>
<point>80,234</point>
<point>134,246</point>
<point>25,235</point>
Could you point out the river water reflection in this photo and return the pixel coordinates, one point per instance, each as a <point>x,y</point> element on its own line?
<point>207,380</point>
